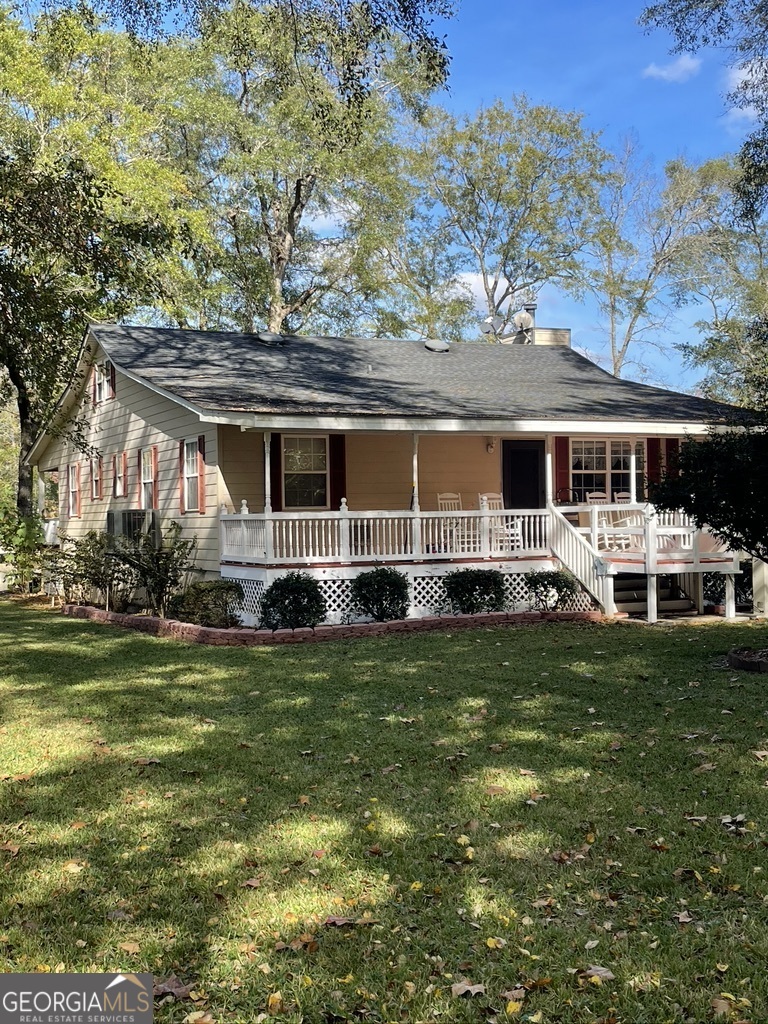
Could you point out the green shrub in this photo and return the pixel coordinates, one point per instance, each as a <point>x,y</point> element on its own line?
<point>381,593</point>
<point>208,603</point>
<point>91,563</point>
<point>22,544</point>
<point>292,602</point>
<point>476,590</point>
<point>552,590</point>
<point>160,571</point>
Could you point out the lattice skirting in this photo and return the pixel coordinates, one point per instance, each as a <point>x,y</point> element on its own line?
<point>428,595</point>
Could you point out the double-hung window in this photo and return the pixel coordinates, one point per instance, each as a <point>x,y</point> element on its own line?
<point>103,382</point>
<point>97,479</point>
<point>148,477</point>
<point>73,490</point>
<point>191,474</point>
<point>120,475</point>
<point>305,471</point>
<point>605,465</point>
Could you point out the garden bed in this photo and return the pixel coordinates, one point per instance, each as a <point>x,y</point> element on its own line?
<point>748,659</point>
<point>257,637</point>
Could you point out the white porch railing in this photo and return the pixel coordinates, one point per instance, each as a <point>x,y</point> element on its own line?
<point>574,550</point>
<point>306,538</point>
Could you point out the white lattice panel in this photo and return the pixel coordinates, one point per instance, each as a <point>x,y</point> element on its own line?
<point>429,593</point>
<point>517,591</point>
<point>253,596</point>
<point>338,602</point>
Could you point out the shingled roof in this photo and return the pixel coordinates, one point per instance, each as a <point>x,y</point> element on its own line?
<point>222,372</point>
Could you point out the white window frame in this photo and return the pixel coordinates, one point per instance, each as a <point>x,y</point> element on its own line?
<point>608,471</point>
<point>307,508</point>
<point>97,482</point>
<point>102,387</point>
<point>121,475</point>
<point>73,491</point>
<point>193,443</point>
<point>147,456</point>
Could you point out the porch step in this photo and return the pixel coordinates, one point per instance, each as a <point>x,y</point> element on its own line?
<point>631,596</point>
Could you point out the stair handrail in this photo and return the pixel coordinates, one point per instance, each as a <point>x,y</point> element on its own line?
<point>583,560</point>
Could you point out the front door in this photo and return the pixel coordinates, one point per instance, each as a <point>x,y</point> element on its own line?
<point>523,474</point>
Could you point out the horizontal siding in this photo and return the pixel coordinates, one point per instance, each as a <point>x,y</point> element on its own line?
<point>457,463</point>
<point>379,471</point>
<point>241,468</point>
<point>138,418</point>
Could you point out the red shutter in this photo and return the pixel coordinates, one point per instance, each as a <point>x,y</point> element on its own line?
<point>114,476</point>
<point>201,474</point>
<point>78,492</point>
<point>654,462</point>
<point>155,488</point>
<point>673,452</point>
<point>562,469</point>
<point>101,479</point>
<point>276,471</point>
<point>182,496</point>
<point>111,380</point>
<point>337,464</point>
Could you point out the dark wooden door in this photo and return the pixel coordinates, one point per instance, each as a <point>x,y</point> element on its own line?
<point>523,474</point>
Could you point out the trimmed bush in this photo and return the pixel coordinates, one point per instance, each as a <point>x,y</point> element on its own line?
<point>476,590</point>
<point>381,593</point>
<point>208,603</point>
<point>292,602</point>
<point>552,590</point>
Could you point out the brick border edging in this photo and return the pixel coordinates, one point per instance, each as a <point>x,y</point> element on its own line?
<point>735,660</point>
<point>260,637</point>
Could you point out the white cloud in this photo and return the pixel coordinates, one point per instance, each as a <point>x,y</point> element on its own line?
<point>679,70</point>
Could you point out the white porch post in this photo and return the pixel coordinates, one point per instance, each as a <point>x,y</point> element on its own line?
<point>633,473</point>
<point>415,505</point>
<point>267,472</point>
<point>759,588</point>
<point>730,596</point>
<point>549,475</point>
<point>653,597</point>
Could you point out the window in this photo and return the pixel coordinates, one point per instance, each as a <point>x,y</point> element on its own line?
<point>192,475</point>
<point>97,473</point>
<point>120,475</point>
<point>602,465</point>
<point>305,472</point>
<point>148,477</point>
<point>103,382</point>
<point>73,490</point>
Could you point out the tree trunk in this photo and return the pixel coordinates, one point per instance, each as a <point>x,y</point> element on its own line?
<point>27,434</point>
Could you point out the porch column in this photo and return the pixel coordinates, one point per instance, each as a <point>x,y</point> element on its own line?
<point>633,473</point>
<point>267,472</point>
<point>415,506</point>
<point>549,475</point>
<point>653,598</point>
<point>730,596</point>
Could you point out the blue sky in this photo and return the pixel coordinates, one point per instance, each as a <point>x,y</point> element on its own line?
<point>592,56</point>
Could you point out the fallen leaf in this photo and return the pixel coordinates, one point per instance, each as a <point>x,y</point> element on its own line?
<point>720,1007</point>
<point>72,867</point>
<point>11,848</point>
<point>760,754</point>
<point>147,760</point>
<point>495,790</point>
<point>275,1003</point>
<point>595,971</point>
<point>708,767</point>
<point>683,917</point>
<point>171,986</point>
<point>199,1017</point>
<point>251,883</point>
<point>526,771</point>
<point>303,800</point>
<point>495,942</point>
<point>465,989</point>
<point>129,947</point>
<point>592,943</point>
<point>514,994</point>
<point>348,922</point>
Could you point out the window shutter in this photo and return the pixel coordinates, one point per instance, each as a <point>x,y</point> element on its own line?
<point>139,488</point>
<point>125,474</point>
<point>654,462</point>
<point>155,495</point>
<point>276,472</point>
<point>69,496</point>
<point>78,491</point>
<point>182,496</point>
<point>562,469</point>
<point>337,462</point>
<point>112,380</point>
<point>201,474</point>
<point>101,478</point>
<point>114,477</point>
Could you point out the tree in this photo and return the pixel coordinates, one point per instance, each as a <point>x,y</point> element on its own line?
<point>740,27</point>
<point>722,482</point>
<point>519,189</point>
<point>80,211</point>
<point>641,256</point>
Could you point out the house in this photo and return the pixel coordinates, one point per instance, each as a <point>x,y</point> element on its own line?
<point>330,454</point>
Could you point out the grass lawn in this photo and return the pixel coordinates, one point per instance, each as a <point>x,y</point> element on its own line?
<point>348,831</point>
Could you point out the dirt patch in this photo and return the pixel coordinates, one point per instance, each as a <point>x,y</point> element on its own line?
<point>748,659</point>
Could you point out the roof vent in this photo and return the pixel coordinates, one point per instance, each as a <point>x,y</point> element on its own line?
<point>270,338</point>
<point>436,345</point>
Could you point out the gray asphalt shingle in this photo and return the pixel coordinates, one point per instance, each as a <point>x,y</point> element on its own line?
<point>227,372</point>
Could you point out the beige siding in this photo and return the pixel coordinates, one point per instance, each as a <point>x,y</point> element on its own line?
<point>379,471</point>
<point>458,462</point>
<point>241,468</point>
<point>137,418</point>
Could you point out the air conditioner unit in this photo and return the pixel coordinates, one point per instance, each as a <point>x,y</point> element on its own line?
<point>132,523</point>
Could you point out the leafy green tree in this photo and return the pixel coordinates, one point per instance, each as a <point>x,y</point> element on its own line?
<point>722,481</point>
<point>519,187</point>
<point>85,213</point>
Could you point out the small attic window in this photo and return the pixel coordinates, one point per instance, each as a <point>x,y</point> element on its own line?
<point>103,382</point>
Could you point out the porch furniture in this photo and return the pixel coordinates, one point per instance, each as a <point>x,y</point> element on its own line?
<point>597,498</point>
<point>494,499</point>
<point>448,501</point>
<point>622,497</point>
